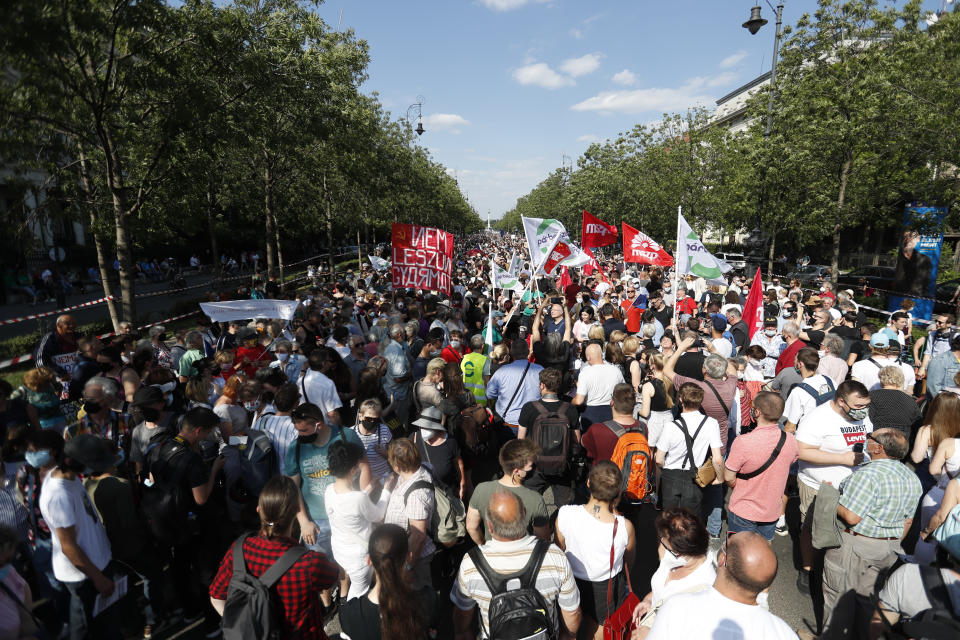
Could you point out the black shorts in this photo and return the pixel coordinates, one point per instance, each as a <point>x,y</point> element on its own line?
<point>593,596</point>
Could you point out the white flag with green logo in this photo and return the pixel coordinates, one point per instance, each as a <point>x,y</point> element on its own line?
<point>693,257</point>
<point>505,280</point>
<point>542,235</point>
<point>379,263</point>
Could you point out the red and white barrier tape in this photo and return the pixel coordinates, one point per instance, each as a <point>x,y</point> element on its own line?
<point>35,316</point>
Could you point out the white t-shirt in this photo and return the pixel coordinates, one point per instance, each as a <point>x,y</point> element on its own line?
<point>65,503</point>
<point>718,618</point>
<point>723,346</point>
<point>674,444</point>
<point>703,575</point>
<point>868,373</point>
<point>351,516</point>
<point>596,383</point>
<point>588,543</point>
<point>800,402</point>
<point>829,431</point>
<point>318,389</point>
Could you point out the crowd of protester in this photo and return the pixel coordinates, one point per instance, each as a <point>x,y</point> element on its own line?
<point>610,453</point>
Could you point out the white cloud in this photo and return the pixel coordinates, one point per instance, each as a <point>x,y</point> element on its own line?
<point>541,75</point>
<point>588,138</point>
<point>581,66</point>
<point>733,60</point>
<point>694,92</point>
<point>625,77</point>
<point>508,5</point>
<point>451,122</point>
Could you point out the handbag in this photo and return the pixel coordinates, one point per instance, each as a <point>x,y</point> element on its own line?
<point>619,624</point>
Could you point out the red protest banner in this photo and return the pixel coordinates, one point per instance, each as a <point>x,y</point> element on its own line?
<point>422,257</point>
<point>594,232</point>
<point>753,308</point>
<point>639,247</point>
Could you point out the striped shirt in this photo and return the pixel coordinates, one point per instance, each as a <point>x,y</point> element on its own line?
<point>884,493</point>
<point>554,581</point>
<point>379,467</point>
<point>281,432</point>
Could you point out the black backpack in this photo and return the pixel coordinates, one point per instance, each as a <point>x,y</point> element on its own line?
<point>252,610</point>
<point>551,430</point>
<point>521,613</point>
<point>163,505</point>
<point>940,620</point>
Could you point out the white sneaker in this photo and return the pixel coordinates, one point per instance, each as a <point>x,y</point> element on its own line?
<point>782,528</point>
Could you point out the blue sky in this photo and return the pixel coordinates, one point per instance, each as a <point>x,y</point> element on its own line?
<point>510,86</point>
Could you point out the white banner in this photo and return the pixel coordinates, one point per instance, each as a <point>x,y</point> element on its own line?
<point>249,309</point>
<point>506,280</point>
<point>693,257</point>
<point>379,263</point>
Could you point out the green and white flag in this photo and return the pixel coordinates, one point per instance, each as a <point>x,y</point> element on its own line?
<point>379,263</point>
<point>514,268</point>
<point>542,235</point>
<point>693,257</point>
<point>505,280</point>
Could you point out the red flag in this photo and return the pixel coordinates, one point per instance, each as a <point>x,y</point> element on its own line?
<point>560,252</point>
<point>565,279</point>
<point>590,266</point>
<point>639,247</point>
<point>753,309</point>
<point>594,232</point>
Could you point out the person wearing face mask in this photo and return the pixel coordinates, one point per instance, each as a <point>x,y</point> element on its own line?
<point>453,352</point>
<point>103,413</point>
<point>151,404</point>
<point>88,365</point>
<point>685,566</point>
<point>308,464</point>
<point>439,451</point>
<point>831,439</point>
<point>291,363</point>
<point>161,352</point>
<point>517,460</point>
<point>375,436</point>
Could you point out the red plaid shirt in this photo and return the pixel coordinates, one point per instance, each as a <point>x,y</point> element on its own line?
<point>298,589</point>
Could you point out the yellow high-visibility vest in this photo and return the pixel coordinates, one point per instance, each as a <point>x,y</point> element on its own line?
<point>472,368</point>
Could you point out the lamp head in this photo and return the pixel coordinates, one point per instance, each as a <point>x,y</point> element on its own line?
<point>419,129</point>
<point>755,22</point>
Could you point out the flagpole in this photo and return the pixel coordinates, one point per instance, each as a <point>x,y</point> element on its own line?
<point>493,297</point>
<point>676,265</point>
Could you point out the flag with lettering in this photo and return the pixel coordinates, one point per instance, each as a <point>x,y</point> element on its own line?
<point>541,232</point>
<point>753,308</point>
<point>639,247</point>
<point>693,257</point>
<point>594,232</point>
<point>379,263</point>
<point>422,257</point>
<point>503,279</point>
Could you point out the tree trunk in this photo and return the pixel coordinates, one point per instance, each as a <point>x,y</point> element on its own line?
<point>216,270</point>
<point>359,251</point>
<point>771,254</point>
<point>276,235</point>
<point>326,196</point>
<point>268,216</point>
<point>841,198</point>
<point>102,264</point>
<point>125,257</point>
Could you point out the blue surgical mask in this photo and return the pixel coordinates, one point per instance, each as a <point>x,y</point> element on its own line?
<point>38,459</point>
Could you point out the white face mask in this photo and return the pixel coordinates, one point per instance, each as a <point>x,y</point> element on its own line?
<point>821,353</point>
<point>671,561</point>
<point>283,357</point>
<point>756,364</point>
<point>739,375</point>
<point>770,332</point>
<point>428,434</point>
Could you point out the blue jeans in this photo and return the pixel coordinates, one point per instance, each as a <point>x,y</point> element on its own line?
<point>736,524</point>
<point>82,623</point>
<point>713,508</point>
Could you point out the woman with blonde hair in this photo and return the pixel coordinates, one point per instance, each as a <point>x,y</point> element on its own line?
<point>631,345</point>
<point>942,423</point>
<point>655,402</point>
<point>40,392</point>
<point>943,453</point>
<point>308,572</point>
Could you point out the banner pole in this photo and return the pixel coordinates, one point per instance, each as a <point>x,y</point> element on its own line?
<point>676,265</point>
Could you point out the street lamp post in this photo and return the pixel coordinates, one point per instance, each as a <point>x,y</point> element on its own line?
<point>419,105</point>
<point>758,237</point>
<point>753,25</point>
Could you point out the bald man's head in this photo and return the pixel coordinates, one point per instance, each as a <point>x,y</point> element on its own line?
<point>751,564</point>
<point>505,515</point>
<point>594,354</point>
<point>66,324</point>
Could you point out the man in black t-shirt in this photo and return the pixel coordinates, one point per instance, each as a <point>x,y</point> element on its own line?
<point>860,349</point>
<point>690,363</point>
<point>610,322</point>
<point>177,461</point>
<point>550,382</point>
